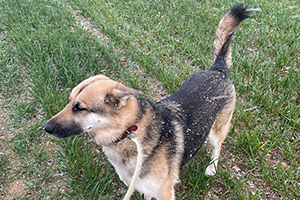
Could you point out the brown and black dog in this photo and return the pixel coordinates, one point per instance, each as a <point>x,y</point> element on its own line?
<point>171,131</point>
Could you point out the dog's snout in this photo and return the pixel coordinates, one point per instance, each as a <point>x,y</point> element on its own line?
<point>48,127</point>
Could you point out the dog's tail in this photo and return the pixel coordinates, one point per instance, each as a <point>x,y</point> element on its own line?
<point>225,31</point>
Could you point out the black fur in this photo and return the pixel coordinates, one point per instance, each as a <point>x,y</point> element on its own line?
<point>239,12</point>
<point>201,98</point>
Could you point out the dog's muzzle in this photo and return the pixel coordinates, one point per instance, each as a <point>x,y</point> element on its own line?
<point>60,130</point>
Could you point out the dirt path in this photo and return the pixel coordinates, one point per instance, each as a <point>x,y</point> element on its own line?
<point>10,186</point>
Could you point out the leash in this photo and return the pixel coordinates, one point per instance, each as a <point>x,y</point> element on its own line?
<point>137,168</point>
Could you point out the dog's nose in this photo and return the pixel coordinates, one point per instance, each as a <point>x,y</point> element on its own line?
<point>48,127</point>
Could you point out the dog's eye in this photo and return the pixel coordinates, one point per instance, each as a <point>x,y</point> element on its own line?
<point>77,107</point>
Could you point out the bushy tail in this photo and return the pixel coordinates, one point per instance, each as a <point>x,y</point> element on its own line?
<point>225,31</point>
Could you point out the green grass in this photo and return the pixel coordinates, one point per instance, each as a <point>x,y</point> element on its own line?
<point>44,52</point>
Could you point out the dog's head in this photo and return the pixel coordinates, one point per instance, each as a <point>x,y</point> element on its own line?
<point>100,106</point>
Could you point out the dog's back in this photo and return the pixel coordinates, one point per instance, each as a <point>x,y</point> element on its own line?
<point>203,96</point>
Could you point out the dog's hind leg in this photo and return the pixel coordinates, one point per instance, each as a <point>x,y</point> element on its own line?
<point>218,133</point>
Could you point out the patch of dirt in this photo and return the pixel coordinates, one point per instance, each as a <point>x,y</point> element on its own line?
<point>4,132</point>
<point>16,190</point>
<point>9,188</point>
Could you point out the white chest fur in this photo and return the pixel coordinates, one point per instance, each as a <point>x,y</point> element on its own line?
<point>124,170</point>
<point>146,185</point>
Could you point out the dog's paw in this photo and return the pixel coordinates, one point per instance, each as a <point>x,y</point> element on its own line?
<point>210,170</point>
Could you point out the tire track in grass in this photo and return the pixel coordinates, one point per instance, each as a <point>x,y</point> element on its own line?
<point>151,88</point>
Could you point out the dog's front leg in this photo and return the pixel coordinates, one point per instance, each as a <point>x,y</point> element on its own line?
<point>166,191</point>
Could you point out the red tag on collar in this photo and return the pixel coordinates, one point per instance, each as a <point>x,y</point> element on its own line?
<point>130,130</point>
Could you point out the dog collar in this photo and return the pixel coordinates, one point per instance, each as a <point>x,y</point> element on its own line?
<point>130,130</point>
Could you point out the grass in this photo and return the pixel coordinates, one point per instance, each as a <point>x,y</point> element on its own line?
<point>151,46</point>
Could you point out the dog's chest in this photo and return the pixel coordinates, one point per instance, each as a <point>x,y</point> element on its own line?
<point>125,170</point>
<point>124,166</point>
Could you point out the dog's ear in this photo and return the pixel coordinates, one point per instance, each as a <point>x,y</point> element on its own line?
<point>119,95</point>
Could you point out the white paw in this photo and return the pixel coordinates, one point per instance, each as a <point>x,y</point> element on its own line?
<point>210,170</point>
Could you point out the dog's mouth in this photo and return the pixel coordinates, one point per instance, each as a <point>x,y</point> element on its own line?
<point>60,131</point>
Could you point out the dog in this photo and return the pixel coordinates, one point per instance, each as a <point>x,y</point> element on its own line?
<point>171,131</point>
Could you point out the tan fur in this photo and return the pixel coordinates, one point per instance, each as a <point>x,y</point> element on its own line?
<point>87,82</point>
<point>226,27</point>
<point>167,189</point>
<point>219,131</point>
